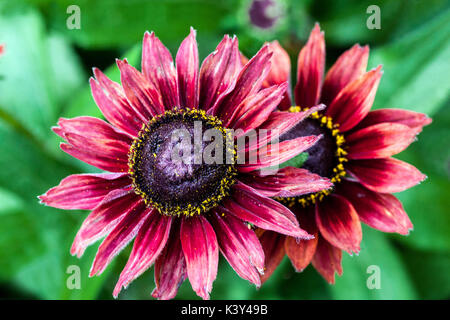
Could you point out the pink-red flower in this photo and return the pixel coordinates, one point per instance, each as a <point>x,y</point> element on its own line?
<point>355,153</point>
<point>181,214</point>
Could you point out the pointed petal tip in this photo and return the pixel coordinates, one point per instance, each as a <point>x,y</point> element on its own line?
<point>149,34</point>
<point>92,81</point>
<point>95,70</point>
<point>378,69</point>
<point>319,107</point>
<point>316,27</point>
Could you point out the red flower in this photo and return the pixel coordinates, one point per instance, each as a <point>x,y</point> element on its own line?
<point>355,153</point>
<point>181,214</point>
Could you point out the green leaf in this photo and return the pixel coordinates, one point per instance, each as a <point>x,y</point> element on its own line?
<point>429,271</point>
<point>116,23</point>
<point>296,161</point>
<point>34,239</point>
<point>415,66</point>
<point>38,72</point>
<point>285,283</point>
<point>344,21</point>
<point>377,251</point>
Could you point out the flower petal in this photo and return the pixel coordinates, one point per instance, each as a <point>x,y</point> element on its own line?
<point>349,66</point>
<point>327,260</point>
<point>280,72</point>
<point>218,72</point>
<point>273,245</point>
<point>158,69</point>
<point>265,213</point>
<point>103,161</point>
<point>414,120</point>
<point>111,100</point>
<point>149,243</point>
<point>92,128</point>
<point>301,252</point>
<point>84,191</point>
<point>310,69</point>
<point>287,182</point>
<point>254,110</point>
<point>142,94</point>
<point>379,141</point>
<point>353,102</point>
<point>95,142</point>
<point>387,175</point>
<point>201,252</point>
<point>275,154</point>
<point>338,223</point>
<point>104,218</point>
<point>187,69</point>
<point>380,211</point>
<point>248,82</point>
<point>277,123</point>
<point>120,236</point>
<point>170,267</point>
<point>239,245</point>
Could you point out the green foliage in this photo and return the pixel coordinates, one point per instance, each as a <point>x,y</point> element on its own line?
<point>44,75</point>
<point>296,161</point>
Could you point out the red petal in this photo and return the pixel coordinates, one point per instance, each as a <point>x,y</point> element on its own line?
<point>95,142</point>
<point>149,243</point>
<point>338,223</point>
<point>158,69</point>
<point>387,175</point>
<point>141,93</point>
<point>263,212</point>
<point>218,72</point>
<point>254,110</point>
<point>276,153</point>
<point>273,245</point>
<point>414,120</point>
<point>111,100</point>
<point>120,236</point>
<point>287,182</point>
<point>380,211</point>
<point>353,102</point>
<point>327,260</point>
<point>187,68</point>
<point>239,245</point>
<point>108,162</point>
<point>104,218</point>
<point>84,191</point>
<point>278,123</point>
<point>280,72</point>
<point>248,82</point>
<point>201,252</point>
<point>310,69</point>
<point>170,267</point>
<point>301,252</point>
<point>349,66</point>
<point>379,141</point>
<point>92,129</point>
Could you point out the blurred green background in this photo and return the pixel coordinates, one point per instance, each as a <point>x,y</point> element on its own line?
<point>44,75</point>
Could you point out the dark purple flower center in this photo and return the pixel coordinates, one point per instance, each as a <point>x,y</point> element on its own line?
<point>326,158</point>
<point>170,167</point>
<point>321,156</point>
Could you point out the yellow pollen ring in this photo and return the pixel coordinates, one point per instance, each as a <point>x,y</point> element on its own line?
<point>188,210</point>
<point>340,154</point>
